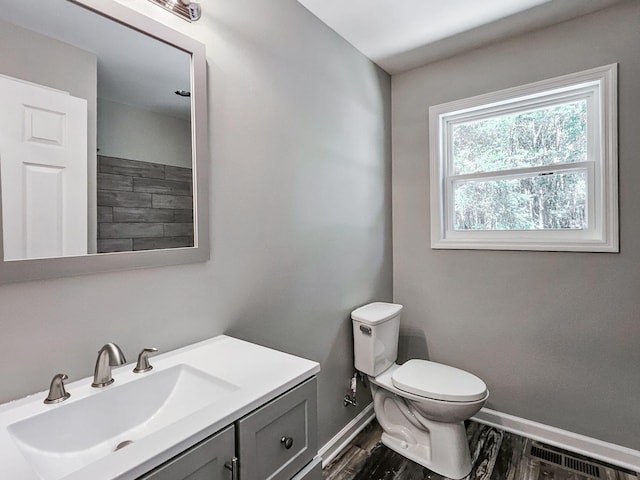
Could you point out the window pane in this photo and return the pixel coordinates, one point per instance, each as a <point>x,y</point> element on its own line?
<point>547,136</point>
<point>551,201</point>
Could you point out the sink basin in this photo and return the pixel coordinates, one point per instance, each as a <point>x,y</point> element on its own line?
<point>70,436</point>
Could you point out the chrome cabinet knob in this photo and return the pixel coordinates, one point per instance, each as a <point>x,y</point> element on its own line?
<point>287,442</point>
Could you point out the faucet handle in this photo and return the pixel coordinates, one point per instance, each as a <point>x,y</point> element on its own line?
<point>57,393</point>
<point>143,360</point>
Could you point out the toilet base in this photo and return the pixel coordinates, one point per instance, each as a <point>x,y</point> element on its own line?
<point>438,446</point>
<point>451,465</point>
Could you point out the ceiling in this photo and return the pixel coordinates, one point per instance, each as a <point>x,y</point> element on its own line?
<point>400,35</point>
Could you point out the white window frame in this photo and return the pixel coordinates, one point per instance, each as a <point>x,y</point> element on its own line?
<point>599,87</point>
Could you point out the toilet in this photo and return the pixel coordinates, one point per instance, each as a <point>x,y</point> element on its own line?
<point>420,405</point>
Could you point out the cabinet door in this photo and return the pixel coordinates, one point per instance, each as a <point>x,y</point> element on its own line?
<point>278,439</point>
<point>204,461</point>
<point>313,471</point>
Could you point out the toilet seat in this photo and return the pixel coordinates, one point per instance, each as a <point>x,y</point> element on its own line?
<point>438,381</point>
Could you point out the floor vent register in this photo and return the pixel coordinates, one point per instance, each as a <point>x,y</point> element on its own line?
<point>563,460</point>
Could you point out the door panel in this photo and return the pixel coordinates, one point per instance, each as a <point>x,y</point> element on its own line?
<point>43,166</point>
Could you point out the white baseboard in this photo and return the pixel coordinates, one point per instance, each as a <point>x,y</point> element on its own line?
<point>591,447</point>
<point>341,439</point>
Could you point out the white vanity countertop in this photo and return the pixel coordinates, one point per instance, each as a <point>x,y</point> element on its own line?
<point>258,375</point>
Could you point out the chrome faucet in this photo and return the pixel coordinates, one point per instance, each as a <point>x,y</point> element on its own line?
<point>143,360</point>
<point>109,356</point>
<point>57,393</point>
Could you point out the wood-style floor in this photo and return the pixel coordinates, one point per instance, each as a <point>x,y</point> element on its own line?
<point>497,455</point>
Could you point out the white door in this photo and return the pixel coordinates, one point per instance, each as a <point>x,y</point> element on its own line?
<point>43,166</point>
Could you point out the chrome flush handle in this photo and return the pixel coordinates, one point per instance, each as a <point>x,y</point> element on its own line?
<point>143,360</point>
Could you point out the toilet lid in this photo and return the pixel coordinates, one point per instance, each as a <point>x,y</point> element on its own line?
<point>437,381</point>
<point>376,313</point>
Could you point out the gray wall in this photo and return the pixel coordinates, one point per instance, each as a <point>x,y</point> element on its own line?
<point>554,335</point>
<point>130,132</point>
<point>39,59</point>
<point>300,216</point>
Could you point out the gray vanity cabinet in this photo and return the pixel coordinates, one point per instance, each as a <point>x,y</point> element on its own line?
<point>204,461</point>
<point>277,441</point>
<point>280,438</point>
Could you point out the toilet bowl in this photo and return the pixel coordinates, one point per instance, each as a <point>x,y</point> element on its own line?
<point>420,405</point>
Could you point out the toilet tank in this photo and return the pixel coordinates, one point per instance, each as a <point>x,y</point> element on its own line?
<point>375,336</point>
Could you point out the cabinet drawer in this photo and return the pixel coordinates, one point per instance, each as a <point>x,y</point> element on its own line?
<point>277,440</point>
<point>204,461</point>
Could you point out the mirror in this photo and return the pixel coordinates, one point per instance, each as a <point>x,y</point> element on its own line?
<point>103,151</point>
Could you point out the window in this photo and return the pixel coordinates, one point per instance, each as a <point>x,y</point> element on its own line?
<point>528,168</point>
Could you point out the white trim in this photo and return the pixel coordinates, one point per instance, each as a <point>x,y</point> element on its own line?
<point>598,86</point>
<point>597,449</point>
<point>340,440</point>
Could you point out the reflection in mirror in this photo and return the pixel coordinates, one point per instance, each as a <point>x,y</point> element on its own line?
<point>95,144</point>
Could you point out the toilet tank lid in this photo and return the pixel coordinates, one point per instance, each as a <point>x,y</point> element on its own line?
<point>377,312</point>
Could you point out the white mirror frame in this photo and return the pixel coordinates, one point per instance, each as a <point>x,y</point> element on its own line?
<point>43,268</point>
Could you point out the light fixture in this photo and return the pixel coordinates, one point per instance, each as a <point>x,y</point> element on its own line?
<point>185,9</point>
